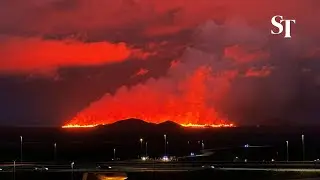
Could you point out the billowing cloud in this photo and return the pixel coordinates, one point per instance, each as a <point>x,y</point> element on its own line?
<point>27,55</point>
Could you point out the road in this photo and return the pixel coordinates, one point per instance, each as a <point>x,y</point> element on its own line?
<point>148,166</point>
<point>271,169</point>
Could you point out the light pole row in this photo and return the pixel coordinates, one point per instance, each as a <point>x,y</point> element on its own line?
<point>146,150</point>
<point>21,148</point>
<point>303,149</point>
<point>141,147</point>
<point>165,148</point>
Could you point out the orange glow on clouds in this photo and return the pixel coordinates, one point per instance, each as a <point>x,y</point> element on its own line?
<point>35,54</point>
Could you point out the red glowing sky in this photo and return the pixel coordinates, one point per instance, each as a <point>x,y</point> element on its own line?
<point>200,62</point>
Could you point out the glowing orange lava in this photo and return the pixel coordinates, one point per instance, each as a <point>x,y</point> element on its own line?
<point>184,125</point>
<point>85,123</point>
<point>79,126</point>
<point>207,125</point>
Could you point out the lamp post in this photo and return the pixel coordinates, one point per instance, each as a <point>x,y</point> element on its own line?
<point>167,148</point>
<point>165,144</point>
<point>246,151</point>
<point>14,169</point>
<point>55,151</point>
<point>303,150</point>
<point>287,143</point>
<point>141,141</point>
<point>114,153</point>
<point>21,141</point>
<point>72,167</point>
<point>146,149</point>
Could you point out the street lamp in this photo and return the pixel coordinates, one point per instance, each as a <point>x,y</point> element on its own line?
<point>55,151</point>
<point>72,167</point>
<point>141,141</point>
<point>303,150</point>
<point>14,169</point>
<point>167,148</point>
<point>146,149</point>
<point>21,140</point>
<point>287,142</point>
<point>165,144</point>
<point>114,153</point>
<point>246,149</point>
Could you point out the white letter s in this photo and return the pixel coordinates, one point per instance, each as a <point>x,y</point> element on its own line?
<point>277,24</point>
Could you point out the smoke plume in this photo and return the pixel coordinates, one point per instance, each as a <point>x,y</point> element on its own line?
<point>197,89</point>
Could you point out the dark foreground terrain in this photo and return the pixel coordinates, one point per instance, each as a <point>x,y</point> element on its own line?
<point>197,175</point>
<point>126,140</point>
<point>122,140</point>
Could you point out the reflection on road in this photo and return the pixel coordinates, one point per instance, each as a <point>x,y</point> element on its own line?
<point>104,176</point>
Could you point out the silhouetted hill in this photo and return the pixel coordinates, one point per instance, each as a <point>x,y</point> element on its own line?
<point>169,125</point>
<point>140,125</point>
<point>129,125</point>
<point>130,122</point>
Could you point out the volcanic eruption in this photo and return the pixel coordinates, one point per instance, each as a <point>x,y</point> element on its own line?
<point>194,87</point>
<point>186,104</point>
